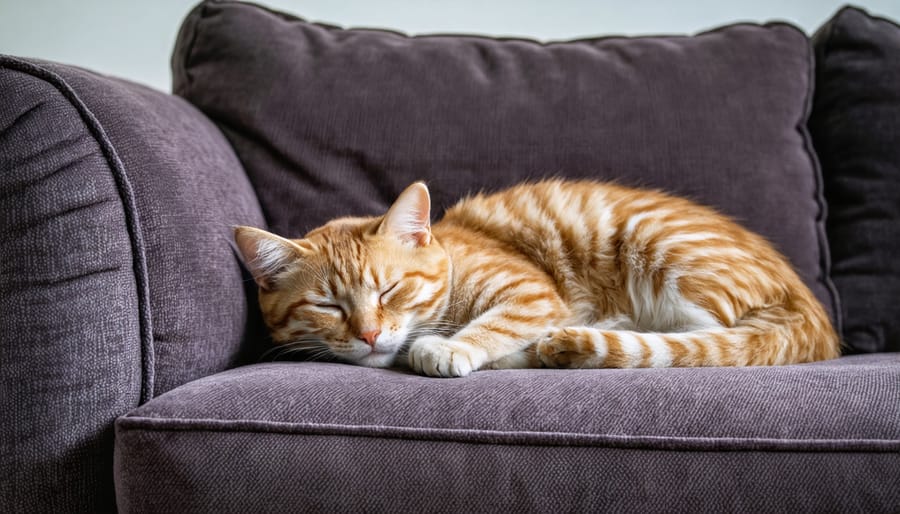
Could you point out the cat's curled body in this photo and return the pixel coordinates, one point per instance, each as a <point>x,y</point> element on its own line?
<point>551,274</point>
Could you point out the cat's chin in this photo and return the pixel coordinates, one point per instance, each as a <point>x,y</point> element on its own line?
<point>377,360</point>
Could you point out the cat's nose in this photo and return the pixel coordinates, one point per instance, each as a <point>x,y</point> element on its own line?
<point>370,336</point>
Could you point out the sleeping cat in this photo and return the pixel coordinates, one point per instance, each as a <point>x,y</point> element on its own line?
<point>553,274</point>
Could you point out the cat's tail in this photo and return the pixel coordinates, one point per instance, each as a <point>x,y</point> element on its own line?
<point>763,338</point>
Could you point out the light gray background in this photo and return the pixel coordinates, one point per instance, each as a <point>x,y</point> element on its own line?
<point>133,38</point>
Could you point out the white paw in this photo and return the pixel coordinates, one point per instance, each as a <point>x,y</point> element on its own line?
<point>437,356</point>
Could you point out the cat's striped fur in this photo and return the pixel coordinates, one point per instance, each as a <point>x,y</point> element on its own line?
<point>556,274</point>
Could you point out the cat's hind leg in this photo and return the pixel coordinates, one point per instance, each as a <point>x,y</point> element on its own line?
<point>573,347</point>
<point>528,357</point>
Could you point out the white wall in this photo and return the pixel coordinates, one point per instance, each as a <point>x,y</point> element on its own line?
<point>133,38</point>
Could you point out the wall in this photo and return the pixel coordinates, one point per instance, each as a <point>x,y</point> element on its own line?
<point>133,39</point>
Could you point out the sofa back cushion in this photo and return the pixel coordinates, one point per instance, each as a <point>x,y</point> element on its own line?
<point>856,129</point>
<point>331,122</point>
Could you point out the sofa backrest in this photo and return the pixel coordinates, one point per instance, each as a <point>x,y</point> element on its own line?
<point>856,130</point>
<point>331,122</point>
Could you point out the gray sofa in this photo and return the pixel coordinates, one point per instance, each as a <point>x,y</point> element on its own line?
<point>136,373</point>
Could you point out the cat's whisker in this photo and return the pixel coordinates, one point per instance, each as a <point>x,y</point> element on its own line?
<point>303,345</point>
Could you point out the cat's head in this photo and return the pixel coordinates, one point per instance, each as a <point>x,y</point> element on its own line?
<point>358,288</point>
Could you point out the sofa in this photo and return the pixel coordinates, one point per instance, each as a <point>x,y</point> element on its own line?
<point>137,374</point>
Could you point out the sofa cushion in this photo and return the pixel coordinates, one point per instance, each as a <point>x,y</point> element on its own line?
<point>855,125</point>
<point>189,191</point>
<point>71,298</point>
<point>332,122</point>
<point>117,281</point>
<point>333,437</point>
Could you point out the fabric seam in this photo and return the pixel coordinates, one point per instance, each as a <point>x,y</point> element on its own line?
<point>513,438</point>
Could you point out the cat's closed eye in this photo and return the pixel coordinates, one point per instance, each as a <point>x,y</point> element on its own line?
<point>330,308</point>
<point>388,293</point>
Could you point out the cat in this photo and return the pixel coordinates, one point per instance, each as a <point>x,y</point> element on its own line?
<point>551,274</point>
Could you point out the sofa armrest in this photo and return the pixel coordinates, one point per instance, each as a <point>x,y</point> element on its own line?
<point>117,281</point>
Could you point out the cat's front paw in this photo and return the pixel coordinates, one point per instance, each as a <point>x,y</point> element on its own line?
<point>566,348</point>
<point>437,356</point>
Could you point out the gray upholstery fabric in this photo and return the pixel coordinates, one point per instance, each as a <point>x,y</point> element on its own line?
<point>856,129</point>
<point>70,302</point>
<point>325,473</point>
<point>289,436</point>
<point>117,281</point>
<point>331,122</point>
<point>190,190</point>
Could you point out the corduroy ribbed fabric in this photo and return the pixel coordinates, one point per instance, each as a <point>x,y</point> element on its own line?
<point>331,437</point>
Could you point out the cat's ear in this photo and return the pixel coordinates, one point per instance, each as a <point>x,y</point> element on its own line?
<point>409,219</point>
<point>266,255</point>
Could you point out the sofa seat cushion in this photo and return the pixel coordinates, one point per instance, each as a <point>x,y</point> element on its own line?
<point>322,436</point>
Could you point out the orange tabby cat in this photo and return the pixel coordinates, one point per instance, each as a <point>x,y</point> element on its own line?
<point>556,274</point>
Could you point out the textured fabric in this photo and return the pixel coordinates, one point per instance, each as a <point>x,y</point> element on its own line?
<point>361,474</point>
<point>190,190</point>
<point>117,281</point>
<point>332,122</point>
<point>70,302</point>
<point>326,437</point>
<point>856,129</point>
